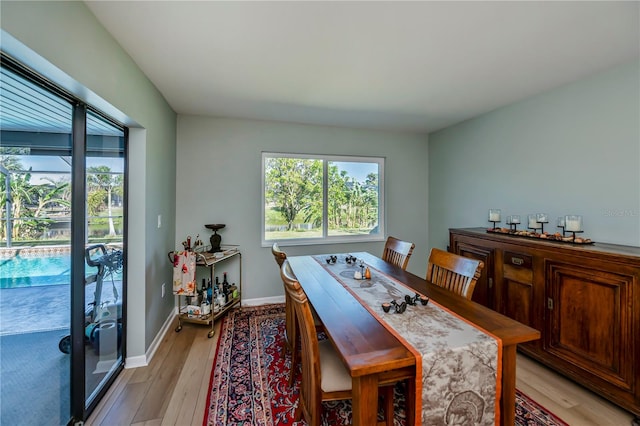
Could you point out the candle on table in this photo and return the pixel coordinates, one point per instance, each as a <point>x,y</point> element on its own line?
<point>533,222</point>
<point>573,223</point>
<point>515,218</point>
<point>542,218</point>
<point>560,223</point>
<point>494,215</point>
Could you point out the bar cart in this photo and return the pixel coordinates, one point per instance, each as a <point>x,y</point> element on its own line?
<point>206,259</point>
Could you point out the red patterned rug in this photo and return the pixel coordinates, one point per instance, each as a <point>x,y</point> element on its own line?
<point>249,386</point>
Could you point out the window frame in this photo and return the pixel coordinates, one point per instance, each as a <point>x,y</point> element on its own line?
<point>326,238</point>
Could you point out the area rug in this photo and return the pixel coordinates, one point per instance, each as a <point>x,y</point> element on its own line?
<point>249,379</point>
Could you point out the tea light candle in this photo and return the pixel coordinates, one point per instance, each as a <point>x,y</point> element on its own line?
<point>573,223</point>
<point>494,215</point>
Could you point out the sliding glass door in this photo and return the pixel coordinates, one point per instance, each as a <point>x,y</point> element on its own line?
<point>104,187</point>
<point>62,227</point>
<point>36,253</point>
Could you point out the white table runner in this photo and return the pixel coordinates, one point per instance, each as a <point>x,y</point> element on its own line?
<point>460,362</point>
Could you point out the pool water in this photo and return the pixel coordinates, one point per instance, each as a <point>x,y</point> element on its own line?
<point>17,272</point>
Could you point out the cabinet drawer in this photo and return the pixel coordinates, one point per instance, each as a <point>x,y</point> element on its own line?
<point>517,259</point>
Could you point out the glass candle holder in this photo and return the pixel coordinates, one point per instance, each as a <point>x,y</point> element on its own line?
<point>533,222</point>
<point>513,222</point>
<point>494,216</point>
<point>560,224</point>
<point>573,223</point>
<point>542,218</point>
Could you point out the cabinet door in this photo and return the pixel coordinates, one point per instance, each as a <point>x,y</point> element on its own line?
<point>590,320</point>
<point>484,293</point>
<point>518,289</point>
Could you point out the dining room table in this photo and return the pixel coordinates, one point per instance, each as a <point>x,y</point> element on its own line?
<point>376,354</point>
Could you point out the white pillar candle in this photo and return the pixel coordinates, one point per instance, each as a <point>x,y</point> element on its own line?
<point>573,223</point>
<point>494,215</point>
<point>533,222</point>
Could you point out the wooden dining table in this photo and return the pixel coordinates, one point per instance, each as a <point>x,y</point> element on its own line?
<point>374,355</point>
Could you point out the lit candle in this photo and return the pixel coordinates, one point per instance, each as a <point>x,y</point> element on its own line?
<point>494,215</point>
<point>573,223</point>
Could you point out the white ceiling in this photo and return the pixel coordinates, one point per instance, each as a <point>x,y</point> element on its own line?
<point>409,66</point>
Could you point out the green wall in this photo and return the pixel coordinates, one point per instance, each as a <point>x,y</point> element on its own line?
<point>219,181</point>
<point>572,150</point>
<point>64,41</point>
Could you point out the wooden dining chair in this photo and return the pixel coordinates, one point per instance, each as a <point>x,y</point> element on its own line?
<point>397,252</point>
<point>290,334</point>
<point>291,326</point>
<point>456,273</point>
<point>324,375</point>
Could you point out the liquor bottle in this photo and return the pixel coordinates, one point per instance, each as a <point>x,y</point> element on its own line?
<point>209,292</point>
<point>219,295</point>
<point>225,286</point>
<point>205,307</point>
<point>222,300</point>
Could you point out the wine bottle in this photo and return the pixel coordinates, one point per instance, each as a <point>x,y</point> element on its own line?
<point>225,285</point>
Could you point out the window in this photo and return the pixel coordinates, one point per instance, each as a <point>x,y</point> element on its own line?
<point>308,199</point>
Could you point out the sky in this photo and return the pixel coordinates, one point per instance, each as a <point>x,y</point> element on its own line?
<point>59,167</point>
<point>357,170</point>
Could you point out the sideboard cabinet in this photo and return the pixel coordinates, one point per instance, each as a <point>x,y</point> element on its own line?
<point>584,300</point>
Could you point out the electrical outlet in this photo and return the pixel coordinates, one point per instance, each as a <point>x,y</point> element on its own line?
<point>163,289</point>
<point>159,221</point>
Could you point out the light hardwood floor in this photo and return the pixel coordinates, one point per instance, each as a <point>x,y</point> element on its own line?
<point>172,389</point>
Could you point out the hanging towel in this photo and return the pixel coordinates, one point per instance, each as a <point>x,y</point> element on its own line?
<point>184,273</point>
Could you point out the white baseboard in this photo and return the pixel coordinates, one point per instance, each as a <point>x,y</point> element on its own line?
<point>143,360</point>
<point>263,301</point>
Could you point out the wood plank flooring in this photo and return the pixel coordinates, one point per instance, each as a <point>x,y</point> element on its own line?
<point>172,389</point>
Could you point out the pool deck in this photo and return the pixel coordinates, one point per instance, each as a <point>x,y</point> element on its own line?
<point>42,308</point>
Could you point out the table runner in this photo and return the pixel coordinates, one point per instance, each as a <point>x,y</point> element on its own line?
<point>460,363</point>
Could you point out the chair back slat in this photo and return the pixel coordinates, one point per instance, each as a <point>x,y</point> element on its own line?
<point>397,252</point>
<point>456,273</point>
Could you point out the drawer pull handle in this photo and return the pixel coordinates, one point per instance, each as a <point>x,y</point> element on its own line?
<point>517,261</point>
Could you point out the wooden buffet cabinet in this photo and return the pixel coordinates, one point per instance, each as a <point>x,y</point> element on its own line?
<point>584,300</point>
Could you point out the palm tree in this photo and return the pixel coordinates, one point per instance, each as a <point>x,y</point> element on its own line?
<point>101,177</point>
<point>20,195</point>
<point>53,193</point>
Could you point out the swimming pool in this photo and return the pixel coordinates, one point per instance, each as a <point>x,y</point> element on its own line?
<point>18,271</point>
